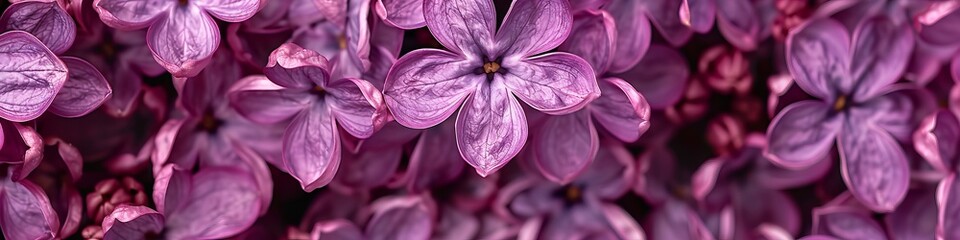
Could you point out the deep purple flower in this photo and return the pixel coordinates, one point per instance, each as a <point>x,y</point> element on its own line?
<point>182,36</point>
<point>298,86</point>
<point>213,203</point>
<point>859,106</point>
<point>580,209</point>
<point>487,73</point>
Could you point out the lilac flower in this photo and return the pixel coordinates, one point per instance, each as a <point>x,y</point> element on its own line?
<point>620,109</point>
<point>182,35</point>
<point>859,106</point>
<point>936,140</point>
<point>485,72</point>
<point>38,195</point>
<point>344,38</point>
<point>213,203</point>
<point>731,184</point>
<point>298,86</point>
<point>580,209</point>
<point>32,76</point>
<point>208,132</point>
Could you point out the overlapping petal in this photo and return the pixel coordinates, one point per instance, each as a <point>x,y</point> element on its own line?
<point>131,14</point>
<point>425,87</point>
<point>311,147</point>
<point>231,10</point>
<point>32,76</point>
<point>818,57</point>
<point>404,14</point>
<point>561,155</point>
<point>534,26</point>
<point>184,40</point>
<point>463,26</point>
<point>874,166</point>
<point>621,110</point>
<point>491,128</point>
<point>556,83</point>
<point>593,38</point>
<point>84,91</point>
<point>46,20</point>
<point>802,134</point>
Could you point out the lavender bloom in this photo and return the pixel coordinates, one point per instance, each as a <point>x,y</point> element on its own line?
<point>620,109</point>
<point>485,72</point>
<point>38,196</point>
<point>298,86</point>
<point>182,35</point>
<point>859,106</point>
<point>580,209</point>
<point>213,203</point>
<point>32,77</point>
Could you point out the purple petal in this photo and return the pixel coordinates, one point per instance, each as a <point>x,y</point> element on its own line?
<point>491,128</point>
<point>948,209</point>
<point>739,23</point>
<point>184,41</point>
<point>26,212</point>
<point>664,15</point>
<point>874,167</point>
<point>231,10</point>
<point>46,20</point>
<point>404,14</point>
<point>171,189</point>
<point>131,14</point>
<point>555,83</point>
<point>818,57</point>
<point>898,110</point>
<point>772,176</point>
<point>661,76</point>
<point>462,26</point>
<point>260,100</point>
<point>936,140</point>
<point>132,222</point>
<point>612,173</point>
<point>675,220</point>
<point>30,152</point>
<point>357,34</point>
<point>409,217</point>
<point>456,224</point>
<point>358,106</point>
<point>846,223</point>
<point>425,87</point>
<point>621,110</point>
<point>85,90</point>
<point>126,87</point>
<point>32,76</point>
<point>881,52</point>
<point>534,26</point>
<point>435,160</point>
<point>368,168</point>
<point>562,155</point>
<point>292,66</point>
<point>311,147</point>
<point>594,38</point>
<point>700,14</point>
<point>622,222</point>
<point>633,35</point>
<point>223,202</point>
<point>802,134</point>
<point>336,229</point>
<point>916,218</point>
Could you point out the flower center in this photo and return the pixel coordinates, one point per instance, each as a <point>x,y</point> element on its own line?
<point>491,67</point>
<point>342,40</point>
<point>183,2</point>
<point>840,103</point>
<point>210,123</point>
<point>573,194</point>
<point>318,91</point>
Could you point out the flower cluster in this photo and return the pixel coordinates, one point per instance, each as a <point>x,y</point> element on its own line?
<point>480,119</point>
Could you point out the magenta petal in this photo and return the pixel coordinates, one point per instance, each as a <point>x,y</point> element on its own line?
<point>184,41</point>
<point>622,223</point>
<point>292,66</point>
<point>223,202</point>
<point>358,106</point>
<point>408,217</point>
<point>462,26</point>
<point>881,52</point>
<point>435,160</point>
<point>311,147</point>
<point>30,152</point>
<point>846,223</point>
<point>46,20</point>
<point>426,86</point>
<point>818,57</point>
<point>700,14</point>
<point>262,101</point>
<point>85,90</point>
<point>534,26</point>
<point>26,212</point>
<point>31,79</point>
<point>661,76</point>
<point>171,189</point>
<point>665,16</point>
<point>874,167</point>
<point>621,110</point>
<point>132,222</point>
<point>336,229</point>
<point>802,134</point>
<point>555,83</point>
<point>948,208</point>
<point>231,10</point>
<point>562,155</point>
<point>368,168</point>
<point>594,38</point>
<point>131,14</point>
<point>739,23</point>
<point>936,140</point>
<point>404,14</point>
<point>491,128</point>
<point>633,35</point>
<point>916,218</point>
<point>612,173</point>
